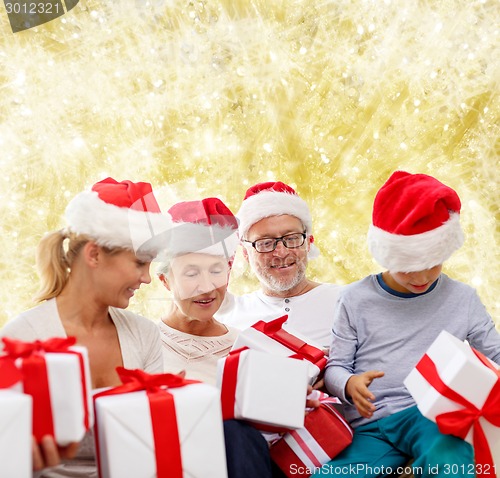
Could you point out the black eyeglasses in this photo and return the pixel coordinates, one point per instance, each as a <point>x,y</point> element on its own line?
<point>290,241</point>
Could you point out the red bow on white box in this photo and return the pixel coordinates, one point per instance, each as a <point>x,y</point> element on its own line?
<point>34,376</point>
<point>460,422</point>
<point>163,415</point>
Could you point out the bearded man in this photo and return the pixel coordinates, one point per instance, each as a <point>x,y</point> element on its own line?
<point>275,228</point>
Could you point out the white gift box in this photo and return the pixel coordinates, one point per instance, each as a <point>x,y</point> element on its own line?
<point>255,339</point>
<point>15,435</point>
<point>462,371</point>
<point>68,403</point>
<point>125,433</point>
<point>270,390</point>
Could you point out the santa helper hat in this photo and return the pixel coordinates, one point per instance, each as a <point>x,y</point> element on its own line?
<point>274,199</point>
<point>415,223</point>
<point>205,226</point>
<point>119,215</point>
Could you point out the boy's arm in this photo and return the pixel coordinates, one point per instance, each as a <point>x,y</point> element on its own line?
<point>340,365</point>
<point>483,335</point>
<point>341,378</point>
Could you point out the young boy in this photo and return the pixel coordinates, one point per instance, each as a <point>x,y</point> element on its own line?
<point>384,324</point>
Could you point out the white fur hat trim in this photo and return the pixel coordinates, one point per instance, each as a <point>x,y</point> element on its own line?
<point>272,203</point>
<point>112,226</point>
<point>418,252</point>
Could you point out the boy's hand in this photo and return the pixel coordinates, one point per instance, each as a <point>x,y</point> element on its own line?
<point>357,388</point>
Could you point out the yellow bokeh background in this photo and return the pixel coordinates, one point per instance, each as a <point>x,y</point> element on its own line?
<point>205,98</point>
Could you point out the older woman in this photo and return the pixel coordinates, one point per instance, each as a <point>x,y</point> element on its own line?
<point>89,272</point>
<point>195,270</point>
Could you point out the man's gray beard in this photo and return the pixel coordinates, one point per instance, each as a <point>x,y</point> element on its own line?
<point>277,285</point>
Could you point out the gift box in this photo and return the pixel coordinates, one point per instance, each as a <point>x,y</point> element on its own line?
<point>15,425</point>
<point>325,434</point>
<point>270,337</point>
<point>267,390</point>
<point>55,373</point>
<point>159,426</point>
<point>459,389</point>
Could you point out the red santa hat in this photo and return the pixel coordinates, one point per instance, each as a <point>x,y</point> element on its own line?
<point>206,226</point>
<point>119,215</point>
<point>274,199</point>
<point>415,223</point>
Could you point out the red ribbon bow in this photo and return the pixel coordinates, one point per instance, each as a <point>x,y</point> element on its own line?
<point>134,380</point>
<point>163,415</point>
<point>274,329</point>
<point>460,422</point>
<point>19,349</point>
<point>35,378</point>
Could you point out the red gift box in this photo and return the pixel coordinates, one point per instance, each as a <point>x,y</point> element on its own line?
<point>325,434</point>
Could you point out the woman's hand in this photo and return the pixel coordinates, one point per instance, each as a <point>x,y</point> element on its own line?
<point>357,389</point>
<point>320,385</point>
<point>47,453</point>
<point>311,401</point>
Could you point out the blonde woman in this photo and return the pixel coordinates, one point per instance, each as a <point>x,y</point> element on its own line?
<point>89,272</point>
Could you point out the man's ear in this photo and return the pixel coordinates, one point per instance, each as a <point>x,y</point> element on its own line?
<point>245,253</point>
<point>164,281</point>
<point>91,253</point>
<point>310,242</point>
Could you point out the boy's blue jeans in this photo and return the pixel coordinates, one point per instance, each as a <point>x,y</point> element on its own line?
<point>384,446</point>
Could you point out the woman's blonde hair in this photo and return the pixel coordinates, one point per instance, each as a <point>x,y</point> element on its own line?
<point>54,259</point>
<point>54,262</point>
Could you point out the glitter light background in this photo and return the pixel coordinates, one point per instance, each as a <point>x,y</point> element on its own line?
<point>205,98</point>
